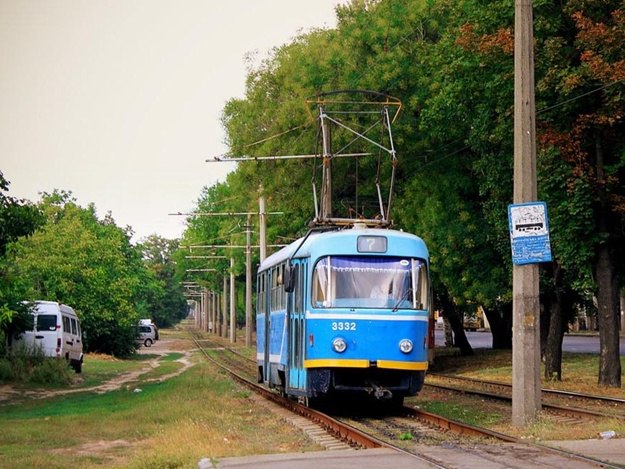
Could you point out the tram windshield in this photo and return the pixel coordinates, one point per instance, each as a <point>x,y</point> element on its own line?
<point>370,282</point>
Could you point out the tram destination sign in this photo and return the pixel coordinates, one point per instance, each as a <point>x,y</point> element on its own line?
<point>529,233</point>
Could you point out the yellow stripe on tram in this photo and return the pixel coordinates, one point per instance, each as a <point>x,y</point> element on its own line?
<point>395,365</point>
<point>333,363</point>
<point>386,364</point>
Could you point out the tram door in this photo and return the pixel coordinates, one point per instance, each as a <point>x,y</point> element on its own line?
<point>297,332</point>
<point>263,305</point>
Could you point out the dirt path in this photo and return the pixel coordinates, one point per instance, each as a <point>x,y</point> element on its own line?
<point>161,348</point>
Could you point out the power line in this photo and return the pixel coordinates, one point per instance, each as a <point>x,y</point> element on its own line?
<point>258,142</point>
<point>575,98</point>
<point>221,214</point>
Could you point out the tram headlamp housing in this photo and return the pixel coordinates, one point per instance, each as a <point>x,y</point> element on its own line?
<point>405,346</point>
<point>339,345</point>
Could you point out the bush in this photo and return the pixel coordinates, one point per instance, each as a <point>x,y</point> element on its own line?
<point>23,359</point>
<point>53,371</point>
<point>31,366</point>
<point>6,373</point>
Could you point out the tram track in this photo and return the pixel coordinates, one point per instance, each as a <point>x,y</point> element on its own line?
<point>366,432</point>
<point>352,437</point>
<point>572,404</point>
<point>472,446</point>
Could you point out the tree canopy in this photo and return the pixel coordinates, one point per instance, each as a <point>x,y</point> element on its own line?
<point>75,258</point>
<point>451,64</point>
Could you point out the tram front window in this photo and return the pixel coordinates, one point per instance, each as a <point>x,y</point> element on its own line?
<point>370,282</point>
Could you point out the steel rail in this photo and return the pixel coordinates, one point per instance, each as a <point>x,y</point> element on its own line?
<point>557,392</point>
<point>351,435</point>
<point>575,411</point>
<point>354,436</point>
<point>466,429</point>
<point>341,430</point>
<point>566,409</point>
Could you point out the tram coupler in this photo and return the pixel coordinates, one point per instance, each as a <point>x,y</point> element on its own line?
<point>379,392</point>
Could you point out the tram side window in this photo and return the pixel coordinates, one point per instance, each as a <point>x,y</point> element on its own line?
<point>260,298</point>
<point>278,295</point>
<point>298,290</point>
<point>320,283</point>
<point>274,288</point>
<point>281,292</point>
<point>422,285</point>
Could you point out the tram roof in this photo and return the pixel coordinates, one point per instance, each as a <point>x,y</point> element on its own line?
<point>333,238</point>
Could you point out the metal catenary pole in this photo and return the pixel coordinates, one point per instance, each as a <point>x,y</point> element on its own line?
<point>248,259</point>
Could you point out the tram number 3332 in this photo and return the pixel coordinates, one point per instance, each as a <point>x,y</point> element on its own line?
<point>343,326</point>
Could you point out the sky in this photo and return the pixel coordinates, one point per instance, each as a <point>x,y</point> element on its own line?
<point>119,101</point>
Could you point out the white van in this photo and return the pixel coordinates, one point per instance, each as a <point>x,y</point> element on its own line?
<point>56,331</point>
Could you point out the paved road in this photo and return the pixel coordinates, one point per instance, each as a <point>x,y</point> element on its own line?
<point>572,343</point>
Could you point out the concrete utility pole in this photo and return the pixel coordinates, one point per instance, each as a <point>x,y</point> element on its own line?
<point>224,308</point>
<point>526,398</point>
<point>233,316</point>
<point>205,310</point>
<point>215,313</point>
<point>248,283</point>
<point>217,305</point>
<point>198,316</point>
<point>262,219</point>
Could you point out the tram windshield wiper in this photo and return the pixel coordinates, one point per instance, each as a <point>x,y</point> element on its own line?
<point>403,297</point>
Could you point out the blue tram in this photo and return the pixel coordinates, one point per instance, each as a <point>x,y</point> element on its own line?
<point>345,312</point>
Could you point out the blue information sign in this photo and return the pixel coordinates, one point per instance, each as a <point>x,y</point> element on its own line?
<point>529,233</point>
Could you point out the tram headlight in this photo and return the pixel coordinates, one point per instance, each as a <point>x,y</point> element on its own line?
<point>405,346</point>
<point>339,345</point>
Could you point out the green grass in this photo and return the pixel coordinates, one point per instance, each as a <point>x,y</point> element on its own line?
<point>579,373</point>
<point>171,424</point>
<point>79,404</point>
<point>97,369</point>
<point>579,370</point>
<point>172,357</point>
<point>472,414</point>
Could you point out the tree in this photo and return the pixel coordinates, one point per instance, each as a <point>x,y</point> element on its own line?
<point>166,303</point>
<point>587,132</point>
<point>17,218</point>
<point>600,131</point>
<point>451,64</point>
<point>577,46</point>
<point>88,264</point>
<point>455,318</point>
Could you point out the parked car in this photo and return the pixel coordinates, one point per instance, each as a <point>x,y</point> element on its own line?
<point>56,331</point>
<point>147,334</point>
<point>148,322</point>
